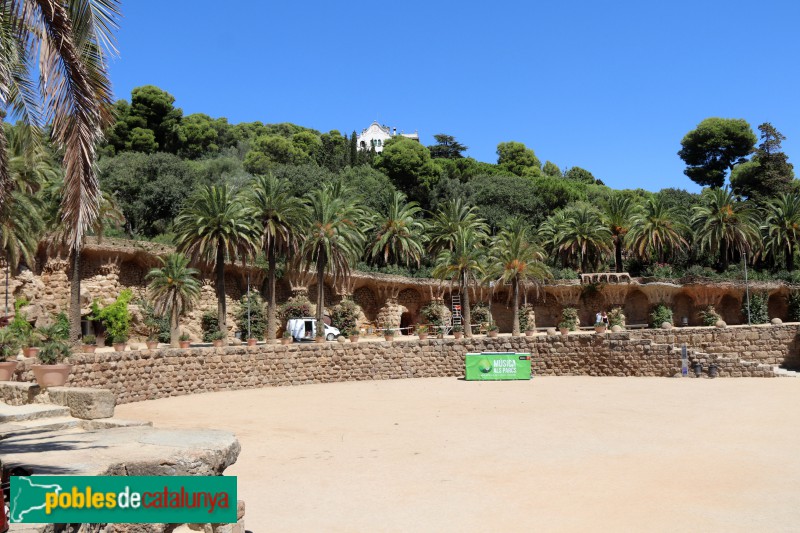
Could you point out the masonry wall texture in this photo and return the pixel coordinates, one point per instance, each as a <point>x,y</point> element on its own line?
<point>151,374</point>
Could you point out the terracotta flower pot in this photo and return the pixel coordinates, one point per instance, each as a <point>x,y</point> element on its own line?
<point>252,342</point>
<point>423,336</point>
<point>30,351</point>
<point>120,346</point>
<point>458,334</point>
<point>564,331</point>
<point>51,375</point>
<point>7,370</point>
<point>388,338</point>
<point>184,344</point>
<point>493,333</point>
<point>152,345</point>
<point>100,341</point>
<point>217,343</point>
<point>88,348</point>
<point>529,332</point>
<point>353,338</point>
<point>600,329</point>
<point>319,340</point>
<point>287,340</point>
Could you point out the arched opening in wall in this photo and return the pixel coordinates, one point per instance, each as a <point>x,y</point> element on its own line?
<point>331,298</point>
<point>548,312</point>
<point>409,298</point>
<point>406,321</point>
<point>777,306</point>
<point>730,310</point>
<point>683,312</point>
<point>636,308</point>
<point>364,297</point>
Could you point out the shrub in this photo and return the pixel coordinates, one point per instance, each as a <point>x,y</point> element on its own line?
<point>481,314</point>
<point>661,270</point>
<point>215,336</point>
<point>709,316</point>
<point>616,317</point>
<point>258,316</point>
<point>61,326</point>
<point>9,344</point>
<point>759,313</point>
<point>184,337</point>
<point>89,340</point>
<point>569,319</point>
<point>793,303</point>
<point>564,273</point>
<point>158,327</point>
<point>660,314</point>
<point>20,326</point>
<point>345,316</point>
<point>435,313</point>
<point>54,352</point>
<point>523,313</point>
<point>209,323</point>
<point>116,318</point>
<point>296,307</point>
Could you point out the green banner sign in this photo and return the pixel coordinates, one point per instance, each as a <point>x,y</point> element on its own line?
<point>123,499</point>
<point>489,366</point>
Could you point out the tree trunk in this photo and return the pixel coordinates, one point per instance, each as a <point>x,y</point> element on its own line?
<point>723,255</point>
<point>271,304</point>
<point>465,308</point>
<point>618,253</point>
<point>174,333</point>
<point>221,309</point>
<point>515,307</point>
<point>75,297</point>
<point>320,287</point>
<point>789,257</point>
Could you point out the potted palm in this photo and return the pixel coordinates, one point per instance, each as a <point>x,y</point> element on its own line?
<point>564,327</point>
<point>174,287</point>
<point>252,341</point>
<point>51,371</point>
<point>89,345</point>
<point>120,342</point>
<point>458,331</point>
<point>600,327</point>
<point>152,342</point>
<point>319,336</point>
<point>388,334</point>
<point>353,334</point>
<point>493,330</point>
<point>9,347</point>
<point>31,341</point>
<point>287,337</point>
<point>217,339</point>
<point>183,340</point>
<point>422,331</point>
<point>530,332</point>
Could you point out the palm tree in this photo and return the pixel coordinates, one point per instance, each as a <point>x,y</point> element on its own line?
<point>516,260</point>
<point>462,262</point>
<point>400,235</point>
<point>723,225</point>
<point>334,237</point>
<point>617,214</point>
<point>213,227</point>
<point>282,218</point>
<point>782,227</point>
<point>449,219</point>
<point>656,231</point>
<point>72,40</point>
<point>174,287</point>
<point>581,238</point>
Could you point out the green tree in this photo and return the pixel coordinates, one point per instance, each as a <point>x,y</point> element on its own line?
<point>400,233</point>
<point>156,108</point>
<point>174,287</point>
<point>449,220</point>
<point>768,173</point>
<point>551,169</point>
<point>446,147</point>
<point>463,264</point>
<point>715,147</point>
<point>500,198</point>
<point>281,219</point>
<point>518,159</point>
<point>334,236</point>
<point>516,260</point>
<point>408,165</point>
<point>581,238</point>
<point>200,136</point>
<point>268,150</point>
<point>581,175</point>
<point>782,227</point>
<point>213,227</point>
<point>723,225</point>
<point>142,140</point>
<point>618,212</point>
<point>657,231</point>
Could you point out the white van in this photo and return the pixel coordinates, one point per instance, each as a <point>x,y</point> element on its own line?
<point>306,329</point>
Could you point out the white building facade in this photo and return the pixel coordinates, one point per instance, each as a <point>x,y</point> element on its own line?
<point>375,137</point>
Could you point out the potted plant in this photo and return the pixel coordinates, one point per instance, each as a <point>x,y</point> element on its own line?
<point>183,340</point>
<point>287,337</point>
<point>252,341</point>
<point>388,333</point>
<point>89,345</point>
<point>600,327</point>
<point>120,342</point>
<point>458,331</point>
<point>30,341</point>
<point>530,332</point>
<point>217,339</point>
<point>51,372</point>
<point>9,347</point>
<point>152,342</point>
<point>319,333</point>
<point>493,330</point>
<point>422,331</point>
<point>564,327</point>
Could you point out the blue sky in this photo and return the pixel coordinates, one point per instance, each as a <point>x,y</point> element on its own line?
<point>608,86</point>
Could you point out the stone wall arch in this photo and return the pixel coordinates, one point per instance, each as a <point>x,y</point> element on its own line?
<point>364,297</point>
<point>636,308</point>
<point>683,306</point>
<point>778,306</point>
<point>730,309</point>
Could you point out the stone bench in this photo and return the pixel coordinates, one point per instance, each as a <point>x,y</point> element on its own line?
<point>84,403</point>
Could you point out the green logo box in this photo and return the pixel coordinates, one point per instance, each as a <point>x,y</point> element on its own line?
<point>491,366</point>
<point>123,499</point>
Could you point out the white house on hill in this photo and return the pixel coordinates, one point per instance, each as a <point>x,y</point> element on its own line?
<point>375,136</point>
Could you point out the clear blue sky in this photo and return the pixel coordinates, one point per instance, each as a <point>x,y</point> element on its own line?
<point>608,86</point>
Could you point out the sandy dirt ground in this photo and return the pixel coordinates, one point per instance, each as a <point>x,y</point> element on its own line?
<point>551,454</point>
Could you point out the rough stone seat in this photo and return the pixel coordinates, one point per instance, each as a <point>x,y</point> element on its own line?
<point>605,277</point>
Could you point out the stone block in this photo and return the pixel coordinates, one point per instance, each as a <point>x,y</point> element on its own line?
<point>85,403</point>
<point>19,392</point>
